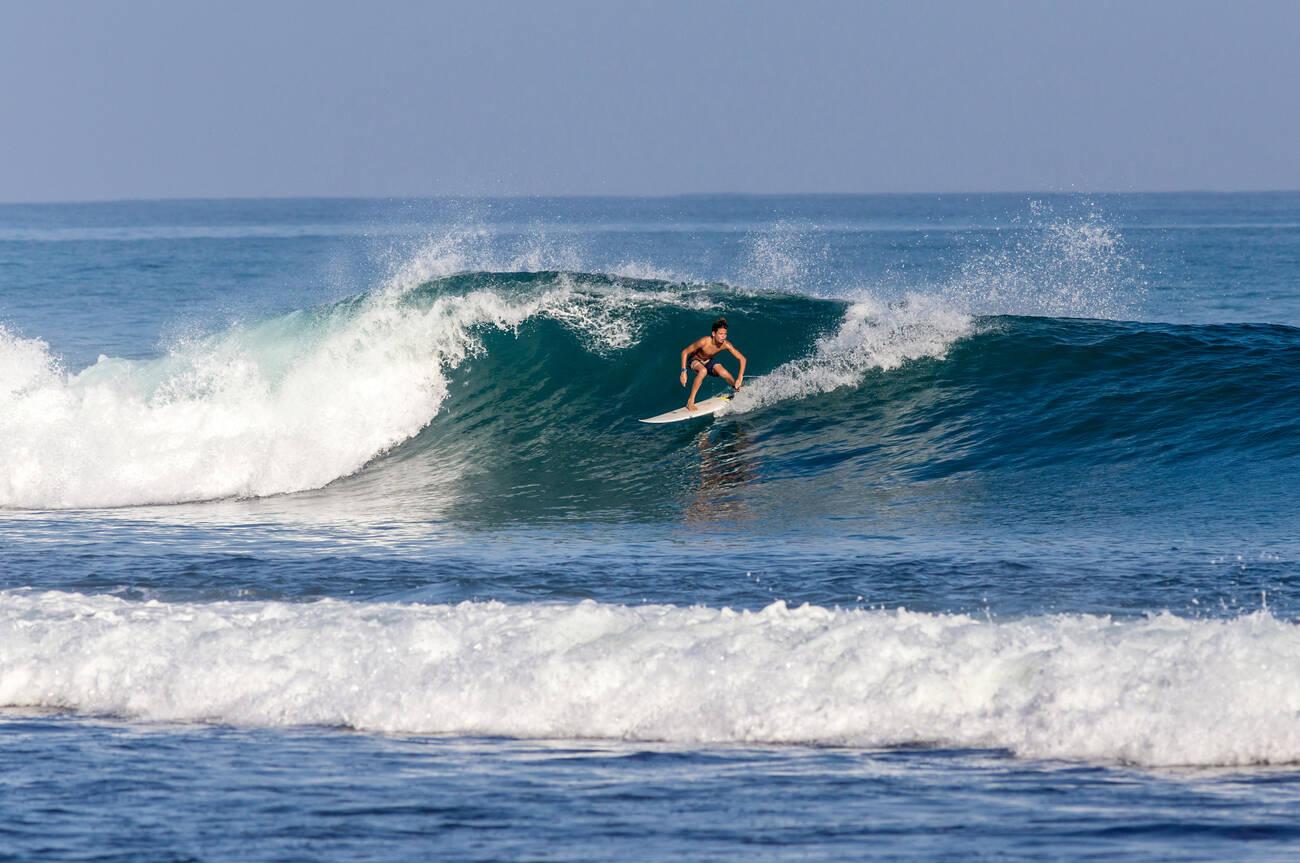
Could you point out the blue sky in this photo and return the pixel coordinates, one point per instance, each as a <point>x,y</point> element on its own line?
<point>112,100</point>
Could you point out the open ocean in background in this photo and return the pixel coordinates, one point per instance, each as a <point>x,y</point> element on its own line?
<point>327,529</point>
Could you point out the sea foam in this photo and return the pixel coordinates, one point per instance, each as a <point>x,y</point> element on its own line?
<point>872,335</point>
<point>1162,690</point>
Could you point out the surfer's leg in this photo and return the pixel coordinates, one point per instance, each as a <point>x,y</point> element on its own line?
<point>695,387</point>
<point>725,375</point>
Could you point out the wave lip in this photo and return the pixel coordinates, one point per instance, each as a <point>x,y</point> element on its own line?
<point>1163,690</point>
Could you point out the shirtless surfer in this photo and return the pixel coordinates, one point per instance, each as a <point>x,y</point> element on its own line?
<point>701,356</point>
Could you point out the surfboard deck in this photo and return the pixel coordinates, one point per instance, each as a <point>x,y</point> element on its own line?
<point>703,409</point>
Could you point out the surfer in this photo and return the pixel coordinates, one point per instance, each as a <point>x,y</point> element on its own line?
<point>703,360</point>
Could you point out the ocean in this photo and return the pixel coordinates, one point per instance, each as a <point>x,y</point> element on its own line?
<point>328,530</point>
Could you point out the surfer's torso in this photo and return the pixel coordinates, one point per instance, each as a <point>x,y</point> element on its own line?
<point>703,354</point>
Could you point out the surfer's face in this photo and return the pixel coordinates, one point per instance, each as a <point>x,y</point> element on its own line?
<point>720,336</point>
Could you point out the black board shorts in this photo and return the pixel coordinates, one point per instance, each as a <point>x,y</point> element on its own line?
<point>709,364</point>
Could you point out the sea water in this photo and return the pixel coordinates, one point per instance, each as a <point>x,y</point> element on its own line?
<point>328,530</point>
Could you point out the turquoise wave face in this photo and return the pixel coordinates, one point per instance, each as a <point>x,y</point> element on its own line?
<point>846,404</point>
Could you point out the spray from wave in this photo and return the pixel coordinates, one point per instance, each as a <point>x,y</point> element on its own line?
<point>1072,265</point>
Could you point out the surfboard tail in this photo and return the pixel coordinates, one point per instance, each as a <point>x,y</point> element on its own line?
<point>702,409</point>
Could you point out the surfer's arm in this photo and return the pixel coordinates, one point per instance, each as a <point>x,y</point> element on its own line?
<point>740,377</point>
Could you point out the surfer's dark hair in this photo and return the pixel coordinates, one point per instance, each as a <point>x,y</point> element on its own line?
<point>719,324</point>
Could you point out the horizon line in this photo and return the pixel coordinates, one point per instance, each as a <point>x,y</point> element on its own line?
<point>629,196</point>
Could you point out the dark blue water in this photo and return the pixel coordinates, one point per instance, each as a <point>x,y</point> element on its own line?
<point>333,520</point>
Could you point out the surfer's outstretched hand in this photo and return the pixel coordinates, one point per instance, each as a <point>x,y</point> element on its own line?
<point>683,378</point>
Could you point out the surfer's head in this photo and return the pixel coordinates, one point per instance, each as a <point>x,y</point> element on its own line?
<point>720,330</point>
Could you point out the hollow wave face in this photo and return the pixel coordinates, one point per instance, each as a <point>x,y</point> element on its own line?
<point>1163,690</point>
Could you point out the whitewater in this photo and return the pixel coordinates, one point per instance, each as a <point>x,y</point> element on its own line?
<point>1159,691</point>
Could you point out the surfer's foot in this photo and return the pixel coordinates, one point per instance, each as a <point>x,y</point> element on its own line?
<point>690,406</point>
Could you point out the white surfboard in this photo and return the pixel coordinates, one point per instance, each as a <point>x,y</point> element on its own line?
<point>702,409</point>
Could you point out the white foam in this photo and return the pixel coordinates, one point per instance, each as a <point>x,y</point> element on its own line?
<point>871,335</point>
<point>1158,691</point>
<point>25,364</point>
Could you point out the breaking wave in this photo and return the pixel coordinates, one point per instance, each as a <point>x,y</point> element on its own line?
<point>1163,690</point>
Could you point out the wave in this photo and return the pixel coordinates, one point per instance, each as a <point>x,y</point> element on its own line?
<point>1162,690</point>
<point>526,384</point>
<point>283,405</point>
